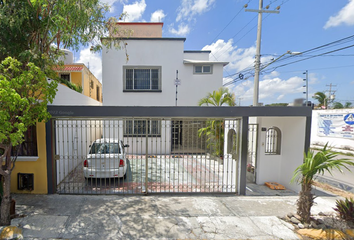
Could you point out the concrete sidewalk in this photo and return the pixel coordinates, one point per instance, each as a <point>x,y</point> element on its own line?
<point>160,216</point>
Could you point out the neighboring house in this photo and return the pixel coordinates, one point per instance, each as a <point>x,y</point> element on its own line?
<point>148,78</point>
<point>31,165</point>
<point>80,75</point>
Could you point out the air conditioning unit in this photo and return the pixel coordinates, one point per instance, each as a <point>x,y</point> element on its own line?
<point>25,181</point>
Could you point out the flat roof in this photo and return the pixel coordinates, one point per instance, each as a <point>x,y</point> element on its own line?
<point>140,23</point>
<point>154,39</point>
<point>197,51</point>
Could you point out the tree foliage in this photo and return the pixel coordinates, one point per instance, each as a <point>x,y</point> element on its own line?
<point>24,95</point>
<point>32,32</point>
<point>315,164</point>
<point>339,105</point>
<point>214,130</point>
<point>321,98</point>
<point>35,30</point>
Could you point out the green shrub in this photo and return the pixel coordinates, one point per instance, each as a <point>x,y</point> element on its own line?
<point>345,208</point>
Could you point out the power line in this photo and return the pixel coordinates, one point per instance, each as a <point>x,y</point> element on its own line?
<point>231,20</point>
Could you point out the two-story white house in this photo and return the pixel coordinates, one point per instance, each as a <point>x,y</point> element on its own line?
<point>148,78</point>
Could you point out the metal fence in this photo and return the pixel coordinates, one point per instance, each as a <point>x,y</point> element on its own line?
<point>161,155</point>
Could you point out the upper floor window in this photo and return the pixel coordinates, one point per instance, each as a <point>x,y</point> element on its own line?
<point>138,128</point>
<point>65,76</point>
<point>273,140</point>
<point>142,78</point>
<point>200,69</point>
<point>28,146</point>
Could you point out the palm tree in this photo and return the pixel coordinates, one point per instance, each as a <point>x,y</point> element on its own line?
<point>315,164</point>
<point>321,98</point>
<point>338,105</point>
<point>220,97</point>
<point>214,130</point>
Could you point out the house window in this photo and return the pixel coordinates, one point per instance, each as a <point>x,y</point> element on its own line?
<point>273,140</point>
<point>139,128</point>
<point>29,145</point>
<point>98,93</point>
<point>65,76</point>
<point>142,78</point>
<point>202,69</point>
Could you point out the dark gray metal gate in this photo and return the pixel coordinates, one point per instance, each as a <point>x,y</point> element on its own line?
<point>176,155</point>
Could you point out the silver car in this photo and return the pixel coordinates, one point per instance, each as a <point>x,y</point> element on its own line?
<point>106,159</point>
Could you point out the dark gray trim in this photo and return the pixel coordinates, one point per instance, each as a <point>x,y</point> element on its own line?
<point>242,179</point>
<point>51,170</point>
<point>308,133</point>
<point>135,91</point>
<point>173,111</point>
<point>153,39</point>
<point>197,51</point>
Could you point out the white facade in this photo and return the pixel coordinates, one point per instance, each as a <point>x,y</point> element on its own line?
<point>168,55</point>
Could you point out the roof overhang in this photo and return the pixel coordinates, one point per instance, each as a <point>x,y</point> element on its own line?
<point>186,61</point>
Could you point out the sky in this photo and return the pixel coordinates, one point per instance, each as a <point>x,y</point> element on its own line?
<point>313,36</point>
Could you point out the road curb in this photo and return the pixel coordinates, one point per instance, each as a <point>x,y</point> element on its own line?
<point>326,233</point>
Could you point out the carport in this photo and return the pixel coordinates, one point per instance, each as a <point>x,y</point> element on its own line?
<point>169,154</point>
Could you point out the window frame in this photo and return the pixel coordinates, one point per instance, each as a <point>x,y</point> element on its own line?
<point>125,68</point>
<point>202,66</point>
<point>273,141</point>
<point>30,142</point>
<point>132,133</point>
<point>65,74</point>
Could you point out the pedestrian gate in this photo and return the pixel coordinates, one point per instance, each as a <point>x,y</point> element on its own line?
<point>174,155</point>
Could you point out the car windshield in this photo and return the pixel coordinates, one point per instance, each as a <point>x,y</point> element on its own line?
<point>103,148</point>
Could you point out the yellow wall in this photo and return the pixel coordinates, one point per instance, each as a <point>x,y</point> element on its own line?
<point>38,168</point>
<point>75,77</point>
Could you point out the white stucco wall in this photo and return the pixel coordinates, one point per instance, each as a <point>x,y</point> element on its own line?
<point>280,168</point>
<point>196,56</point>
<point>168,54</point>
<point>334,142</point>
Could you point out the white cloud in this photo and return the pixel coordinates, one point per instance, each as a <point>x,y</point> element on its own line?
<point>182,30</point>
<point>239,58</point>
<point>187,12</point>
<point>272,88</point>
<point>134,11</point>
<point>93,61</point>
<point>344,16</point>
<point>157,16</point>
<point>111,2</point>
<point>191,8</point>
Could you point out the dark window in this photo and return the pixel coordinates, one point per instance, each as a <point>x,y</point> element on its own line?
<point>98,93</point>
<point>142,127</point>
<point>142,78</point>
<point>65,76</point>
<point>29,145</point>
<point>200,69</point>
<point>273,140</point>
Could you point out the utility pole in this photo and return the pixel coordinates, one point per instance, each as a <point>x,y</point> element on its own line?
<point>330,94</point>
<point>258,49</point>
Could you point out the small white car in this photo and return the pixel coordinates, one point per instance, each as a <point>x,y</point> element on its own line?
<point>106,159</point>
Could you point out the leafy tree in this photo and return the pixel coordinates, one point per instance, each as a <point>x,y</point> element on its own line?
<point>321,98</point>
<point>32,32</point>
<point>214,129</point>
<point>35,30</point>
<point>338,105</point>
<point>24,95</point>
<point>315,164</point>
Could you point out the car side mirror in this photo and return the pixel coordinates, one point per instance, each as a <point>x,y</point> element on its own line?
<point>126,145</point>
